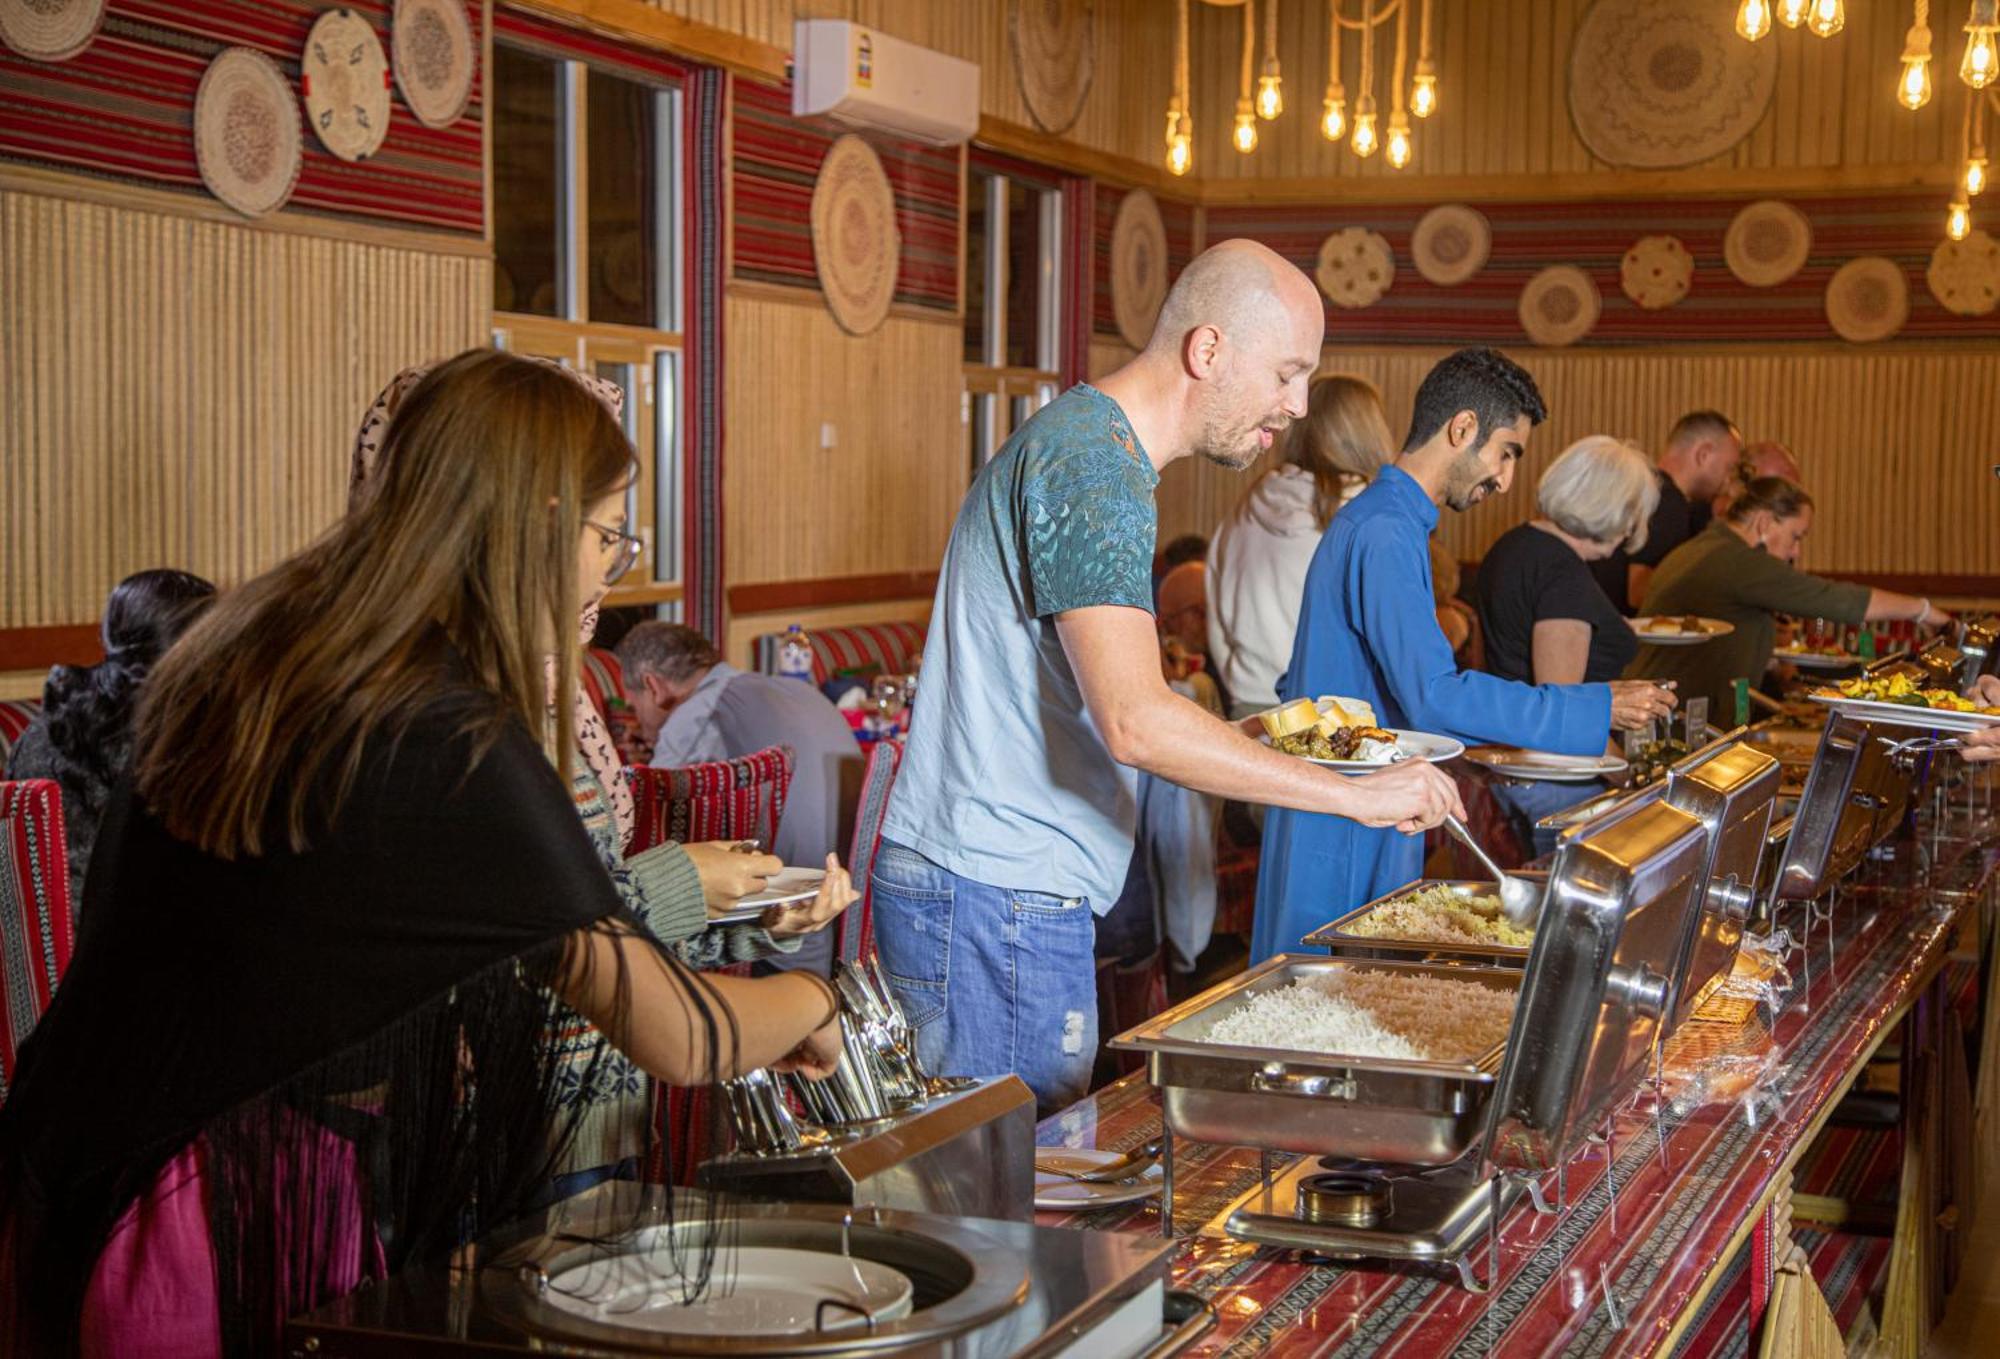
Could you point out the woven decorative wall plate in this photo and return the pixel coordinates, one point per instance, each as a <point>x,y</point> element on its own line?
<point>1767,242</point>
<point>1055,57</point>
<point>435,58</point>
<point>1656,271</point>
<point>1559,306</point>
<point>1355,267</point>
<point>344,78</point>
<point>247,141</point>
<point>857,247</point>
<point>1965,275</point>
<point>1660,83</point>
<point>49,30</point>
<point>1867,299</point>
<point>1450,244</point>
<point>1138,267</point>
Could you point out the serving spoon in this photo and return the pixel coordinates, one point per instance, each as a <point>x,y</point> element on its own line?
<point>1520,900</point>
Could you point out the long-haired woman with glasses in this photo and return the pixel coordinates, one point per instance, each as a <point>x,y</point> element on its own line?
<point>339,918</point>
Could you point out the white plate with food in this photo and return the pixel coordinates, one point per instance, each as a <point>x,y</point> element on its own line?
<point>1817,660</point>
<point>1341,733</point>
<point>1680,630</point>
<point>1906,713</point>
<point>1062,1193</point>
<point>786,887</point>
<point>1544,767</point>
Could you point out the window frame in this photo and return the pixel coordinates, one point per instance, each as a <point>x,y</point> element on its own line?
<point>994,387</point>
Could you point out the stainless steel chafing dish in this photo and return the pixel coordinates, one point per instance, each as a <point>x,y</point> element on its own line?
<point>1376,1109</point>
<point>1731,789</point>
<point>1854,796</point>
<point>1340,939</point>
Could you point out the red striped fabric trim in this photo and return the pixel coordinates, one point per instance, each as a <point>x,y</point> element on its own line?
<point>1904,225</point>
<point>777,157</point>
<point>124,108</point>
<point>36,934</point>
<point>552,39</point>
<point>1080,267</point>
<point>1175,216</point>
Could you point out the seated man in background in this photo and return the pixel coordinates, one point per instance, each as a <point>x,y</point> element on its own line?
<point>1182,602</point>
<point>694,706</point>
<point>1702,453</point>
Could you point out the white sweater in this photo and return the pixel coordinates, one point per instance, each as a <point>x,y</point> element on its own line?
<point>1256,583</point>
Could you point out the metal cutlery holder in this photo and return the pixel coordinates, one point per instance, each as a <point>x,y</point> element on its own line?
<point>880,1130</point>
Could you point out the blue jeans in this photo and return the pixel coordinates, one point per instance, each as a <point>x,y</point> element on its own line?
<point>993,979</point>
<point>1528,803</point>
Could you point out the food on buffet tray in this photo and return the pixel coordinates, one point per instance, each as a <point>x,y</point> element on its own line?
<point>1650,765</point>
<point>1331,729</point>
<point>1438,915</point>
<point>1691,625</point>
<point>1807,649</point>
<point>1362,1013</point>
<point>1904,691</point>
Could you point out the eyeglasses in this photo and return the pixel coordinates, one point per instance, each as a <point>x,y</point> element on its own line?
<point>630,549</point>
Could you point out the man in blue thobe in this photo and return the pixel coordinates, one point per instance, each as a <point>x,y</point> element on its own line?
<point>1368,630</point>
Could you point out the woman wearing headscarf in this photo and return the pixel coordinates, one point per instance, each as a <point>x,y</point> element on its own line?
<point>82,737</point>
<point>339,916</point>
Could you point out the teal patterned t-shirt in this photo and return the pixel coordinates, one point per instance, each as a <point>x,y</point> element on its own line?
<point>1006,780</point>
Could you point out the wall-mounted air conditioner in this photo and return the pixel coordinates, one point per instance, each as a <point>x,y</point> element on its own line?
<point>867,79</point>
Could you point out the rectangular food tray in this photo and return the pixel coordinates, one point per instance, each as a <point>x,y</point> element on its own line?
<point>1386,1110</point>
<point>1336,939</point>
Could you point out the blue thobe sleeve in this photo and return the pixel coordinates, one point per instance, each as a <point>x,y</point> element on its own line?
<point>1389,594</point>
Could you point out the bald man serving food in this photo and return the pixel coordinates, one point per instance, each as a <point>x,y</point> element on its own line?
<point>1011,823</point>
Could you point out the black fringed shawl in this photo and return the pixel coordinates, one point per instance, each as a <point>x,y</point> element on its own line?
<point>373,1003</point>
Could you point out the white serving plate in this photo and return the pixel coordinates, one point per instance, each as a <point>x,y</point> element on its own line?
<point>1413,745</point>
<point>1902,715</point>
<point>1544,767</point>
<point>1712,628</point>
<point>1059,1192</point>
<point>753,1291</point>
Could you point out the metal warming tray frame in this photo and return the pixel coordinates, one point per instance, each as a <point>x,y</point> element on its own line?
<point>1337,939</point>
<point>1853,797</point>
<point>1377,1109</point>
<point>1594,997</point>
<point>1731,788</point>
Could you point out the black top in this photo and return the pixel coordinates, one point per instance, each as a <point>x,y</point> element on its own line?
<point>385,977</point>
<point>1529,576</point>
<point>1672,524</point>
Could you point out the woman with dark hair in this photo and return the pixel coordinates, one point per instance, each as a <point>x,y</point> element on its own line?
<point>318,1026</point>
<point>1741,569</point>
<point>82,738</point>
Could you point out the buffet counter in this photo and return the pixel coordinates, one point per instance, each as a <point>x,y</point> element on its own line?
<point>1648,1218</point>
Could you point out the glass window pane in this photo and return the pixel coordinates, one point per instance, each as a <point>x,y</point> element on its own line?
<point>527,183</point>
<point>985,433</point>
<point>1024,275</point>
<point>975,266</point>
<point>620,132</point>
<point>667,467</point>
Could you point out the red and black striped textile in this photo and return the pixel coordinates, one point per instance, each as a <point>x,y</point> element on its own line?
<point>1903,224</point>
<point>36,934</point>
<point>1179,220</point>
<point>123,108</point>
<point>776,160</point>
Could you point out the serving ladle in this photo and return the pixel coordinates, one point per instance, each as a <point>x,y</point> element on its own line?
<point>1520,900</point>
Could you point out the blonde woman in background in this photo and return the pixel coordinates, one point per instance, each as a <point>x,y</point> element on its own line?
<point>1257,563</point>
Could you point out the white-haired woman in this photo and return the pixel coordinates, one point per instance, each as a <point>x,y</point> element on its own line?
<point>1546,619</point>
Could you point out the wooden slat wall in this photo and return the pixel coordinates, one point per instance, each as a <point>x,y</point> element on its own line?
<point>1896,446</point>
<point>882,500</point>
<point>1128,98</point>
<point>1503,94</point>
<point>176,392</point>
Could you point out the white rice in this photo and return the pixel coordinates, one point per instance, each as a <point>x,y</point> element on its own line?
<point>1361,1013</point>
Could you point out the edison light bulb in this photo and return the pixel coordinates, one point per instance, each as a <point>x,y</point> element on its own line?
<point>1975,176</point>
<point>1364,141</point>
<point>1913,91</point>
<point>1792,13</point>
<point>1958,222</point>
<point>1424,91</point>
<point>1179,156</point>
<point>1753,20</point>
<point>1245,135</point>
<point>1396,150</point>
<point>1981,62</point>
<point>1270,95</point>
<point>1828,17</point>
<point>1333,114</point>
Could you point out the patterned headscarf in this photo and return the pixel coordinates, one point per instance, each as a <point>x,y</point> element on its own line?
<point>593,742</point>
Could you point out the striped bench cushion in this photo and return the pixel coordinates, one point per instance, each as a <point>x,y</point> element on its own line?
<point>861,648</point>
<point>15,715</point>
